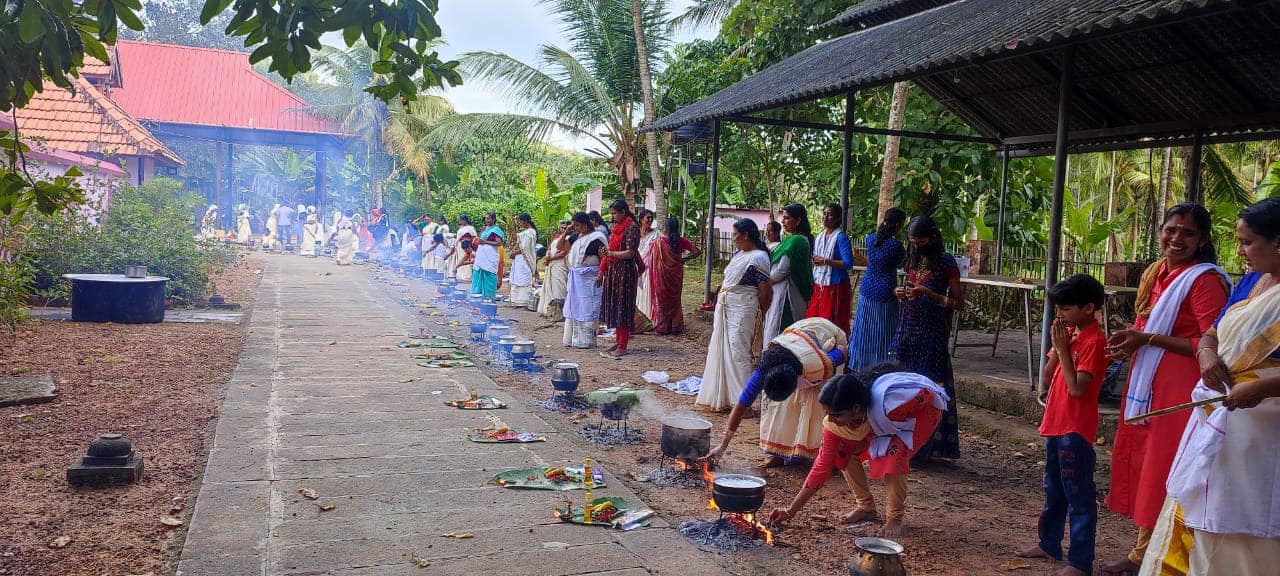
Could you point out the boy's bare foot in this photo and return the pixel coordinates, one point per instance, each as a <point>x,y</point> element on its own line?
<point>859,515</point>
<point>893,529</point>
<point>1032,552</point>
<point>1120,567</point>
<point>1070,571</point>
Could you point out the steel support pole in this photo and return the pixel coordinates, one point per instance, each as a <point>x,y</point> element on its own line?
<point>1194,193</point>
<point>1054,255</point>
<point>846,160</point>
<point>1004,191</point>
<point>320,195</point>
<point>713,171</point>
<point>228,211</point>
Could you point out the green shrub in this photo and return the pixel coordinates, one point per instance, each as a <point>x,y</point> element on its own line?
<point>15,287</point>
<point>150,225</point>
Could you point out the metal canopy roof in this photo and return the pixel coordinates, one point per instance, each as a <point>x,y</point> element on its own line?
<point>872,12</point>
<point>1146,71</point>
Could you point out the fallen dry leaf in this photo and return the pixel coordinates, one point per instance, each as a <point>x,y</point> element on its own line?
<point>418,560</point>
<point>333,342</point>
<point>325,507</point>
<point>23,415</point>
<point>1019,455</point>
<point>458,535</point>
<point>1010,566</point>
<point>308,493</point>
<point>60,542</point>
<point>170,521</point>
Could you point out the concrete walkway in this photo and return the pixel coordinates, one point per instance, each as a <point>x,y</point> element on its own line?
<point>322,399</point>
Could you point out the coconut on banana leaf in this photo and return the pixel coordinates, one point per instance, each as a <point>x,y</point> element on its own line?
<point>618,396</point>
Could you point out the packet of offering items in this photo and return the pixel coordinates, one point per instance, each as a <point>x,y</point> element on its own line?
<point>633,519</point>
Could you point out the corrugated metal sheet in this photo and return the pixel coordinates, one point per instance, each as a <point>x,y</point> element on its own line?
<point>872,12</point>
<point>994,64</point>
<point>206,87</point>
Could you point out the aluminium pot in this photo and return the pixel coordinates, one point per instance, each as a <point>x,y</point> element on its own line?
<point>522,349</point>
<point>738,493</point>
<point>685,438</point>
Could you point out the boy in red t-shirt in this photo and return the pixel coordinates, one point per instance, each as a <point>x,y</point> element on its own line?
<point>1078,364</point>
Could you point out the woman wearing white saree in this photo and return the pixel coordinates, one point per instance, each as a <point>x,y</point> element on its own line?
<point>312,236</point>
<point>555,285</point>
<point>582,299</point>
<point>244,231</point>
<point>743,298</point>
<point>1222,514</point>
<point>460,254</point>
<point>524,261</point>
<point>644,291</point>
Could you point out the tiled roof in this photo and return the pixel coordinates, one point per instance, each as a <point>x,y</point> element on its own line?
<point>94,68</point>
<point>1153,67</point>
<point>207,87</point>
<point>873,12</point>
<point>88,122</point>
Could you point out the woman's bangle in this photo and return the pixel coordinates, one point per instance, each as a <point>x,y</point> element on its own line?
<point>1151,338</point>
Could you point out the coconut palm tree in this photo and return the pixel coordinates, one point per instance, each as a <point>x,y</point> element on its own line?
<point>591,90</point>
<point>405,137</point>
<point>397,128</point>
<point>646,91</point>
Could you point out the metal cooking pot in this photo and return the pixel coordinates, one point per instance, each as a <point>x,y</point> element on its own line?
<point>522,349</point>
<point>738,493</point>
<point>685,438</point>
<point>487,308</point>
<point>496,332</point>
<point>478,328</point>
<point>505,343</point>
<point>877,557</point>
<point>564,376</point>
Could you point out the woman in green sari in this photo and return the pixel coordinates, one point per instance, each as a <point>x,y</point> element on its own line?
<point>792,273</point>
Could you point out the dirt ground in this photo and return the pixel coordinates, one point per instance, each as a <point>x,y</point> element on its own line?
<point>159,385</point>
<point>967,516</point>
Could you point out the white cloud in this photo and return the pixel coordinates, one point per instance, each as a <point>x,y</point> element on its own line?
<point>514,27</point>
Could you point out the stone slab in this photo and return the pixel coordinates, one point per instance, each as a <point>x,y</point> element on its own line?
<point>27,389</point>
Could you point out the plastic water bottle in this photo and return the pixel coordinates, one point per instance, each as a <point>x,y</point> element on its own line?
<point>588,477</point>
<point>586,510</point>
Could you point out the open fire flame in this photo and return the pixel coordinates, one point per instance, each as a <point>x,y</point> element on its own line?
<point>745,523</point>
<point>700,466</point>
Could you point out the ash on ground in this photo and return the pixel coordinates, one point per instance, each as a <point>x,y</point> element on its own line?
<point>720,535</point>
<point>563,403</point>
<point>610,435</point>
<point>675,478</point>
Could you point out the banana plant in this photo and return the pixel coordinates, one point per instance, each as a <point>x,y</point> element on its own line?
<point>1085,233</point>
<point>553,203</point>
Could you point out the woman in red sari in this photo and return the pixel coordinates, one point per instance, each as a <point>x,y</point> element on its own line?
<point>666,277</point>
<point>1179,298</point>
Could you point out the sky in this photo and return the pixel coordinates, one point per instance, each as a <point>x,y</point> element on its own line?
<point>514,27</point>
